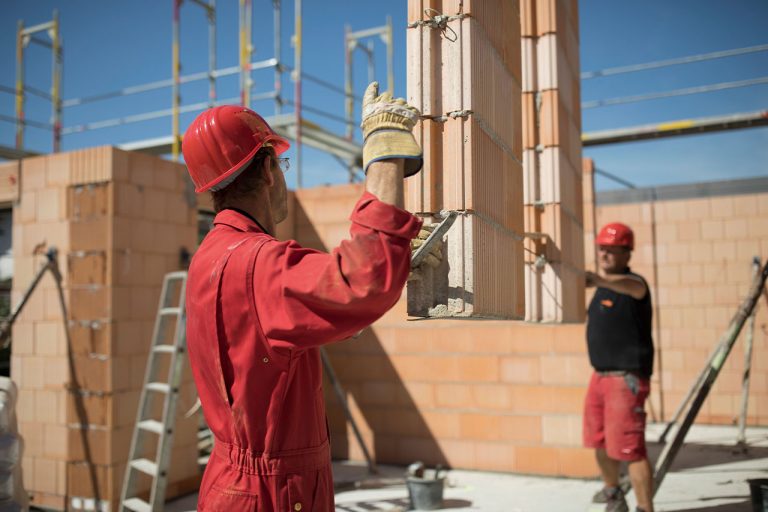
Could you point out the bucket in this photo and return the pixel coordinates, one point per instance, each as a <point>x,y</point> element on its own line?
<point>425,493</point>
<point>758,489</point>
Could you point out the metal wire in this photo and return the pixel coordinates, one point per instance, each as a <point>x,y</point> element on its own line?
<point>151,86</point>
<point>157,114</point>
<point>27,122</point>
<point>322,113</point>
<point>586,75</point>
<point>28,89</point>
<point>620,181</point>
<point>677,92</point>
<point>439,21</point>
<point>329,85</point>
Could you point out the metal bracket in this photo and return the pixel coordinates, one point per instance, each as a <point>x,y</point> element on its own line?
<point>439,21</point>
<point>450,115</point>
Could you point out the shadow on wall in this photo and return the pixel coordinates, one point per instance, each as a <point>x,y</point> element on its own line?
<point>392,427</point>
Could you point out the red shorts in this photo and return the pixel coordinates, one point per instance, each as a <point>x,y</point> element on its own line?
<point>614,415</point>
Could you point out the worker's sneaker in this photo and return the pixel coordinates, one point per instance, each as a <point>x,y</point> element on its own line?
<point>601,496</point>
<point>614,500</point>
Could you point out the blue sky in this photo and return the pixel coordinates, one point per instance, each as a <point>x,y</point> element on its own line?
<point>111,45</point>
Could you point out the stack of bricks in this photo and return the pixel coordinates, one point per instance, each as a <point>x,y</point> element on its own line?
<point>464,76</point>
<point>120,221</point>
<point>552,161</point>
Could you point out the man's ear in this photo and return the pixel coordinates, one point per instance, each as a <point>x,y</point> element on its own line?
<point>266,168</point>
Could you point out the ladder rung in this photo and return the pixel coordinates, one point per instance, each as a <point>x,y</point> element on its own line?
<point>169,311</point>
<point>168,349</point>
<point>151,426</point>
<point>145,466</point>
<point>159,387</point>
<point>137,505</point>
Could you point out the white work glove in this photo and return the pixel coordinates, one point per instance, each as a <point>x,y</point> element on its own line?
<point>388,130</point>
<point>435,255</point>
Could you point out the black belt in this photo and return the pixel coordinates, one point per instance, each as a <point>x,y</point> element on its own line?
<point>618,373</point>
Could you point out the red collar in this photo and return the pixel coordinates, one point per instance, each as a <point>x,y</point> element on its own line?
<point>239,220</point>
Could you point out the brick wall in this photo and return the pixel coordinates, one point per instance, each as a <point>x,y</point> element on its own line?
<point>118,221</point>
<point>699,273</point>
<point>507,395</point>
<point>480,394</point>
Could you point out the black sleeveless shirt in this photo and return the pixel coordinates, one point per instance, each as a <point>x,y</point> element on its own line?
<point>619,331</point>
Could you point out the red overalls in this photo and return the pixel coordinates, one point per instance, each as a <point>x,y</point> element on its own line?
<point>257,311</point>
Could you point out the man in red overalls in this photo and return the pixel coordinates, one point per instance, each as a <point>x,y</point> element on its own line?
<point>259,309</point>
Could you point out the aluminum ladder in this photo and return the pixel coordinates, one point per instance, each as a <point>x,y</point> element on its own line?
<point>155,421</point>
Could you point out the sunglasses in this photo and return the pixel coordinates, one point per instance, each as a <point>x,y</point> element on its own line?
<point>284,163</point>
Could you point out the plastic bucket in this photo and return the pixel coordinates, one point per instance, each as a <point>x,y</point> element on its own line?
<point>758,489</point>
<point>425,494</point>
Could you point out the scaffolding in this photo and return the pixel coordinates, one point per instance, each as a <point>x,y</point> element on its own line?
<point>293,125</point>
<point>25,36</point>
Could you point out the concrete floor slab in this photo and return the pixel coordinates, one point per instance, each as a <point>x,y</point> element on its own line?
<point>709,475</point>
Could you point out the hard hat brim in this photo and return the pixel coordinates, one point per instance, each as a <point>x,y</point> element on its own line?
<point>278,143</point>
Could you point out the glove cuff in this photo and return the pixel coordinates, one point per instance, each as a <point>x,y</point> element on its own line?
<point>389,144</point>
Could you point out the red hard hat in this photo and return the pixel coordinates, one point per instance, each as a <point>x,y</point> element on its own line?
<point>617,234</point>
<point>222,141</point>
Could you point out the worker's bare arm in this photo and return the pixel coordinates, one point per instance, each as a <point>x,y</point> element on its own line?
<point>619,283</point>
<point>385,181</point>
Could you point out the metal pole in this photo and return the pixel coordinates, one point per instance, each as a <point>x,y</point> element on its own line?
<point>657,312</point>
<point>176,75</point>
<point>741,439</point>
<point>20,85</point>
<point>278,56</point>
<point>248,50</point>
<point>348,100</point>
<point>56,82</point>
<point>371,65</point>
<point>297,79</point>
<point>691,392</point>
<point>390,58</point>
<point>710,374</point>
<point>7,325</point>
<point>211,52</point>
<point>243,51</point>
<point>343,401</point>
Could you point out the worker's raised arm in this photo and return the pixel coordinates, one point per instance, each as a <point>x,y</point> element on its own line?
<point>328,297</point>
